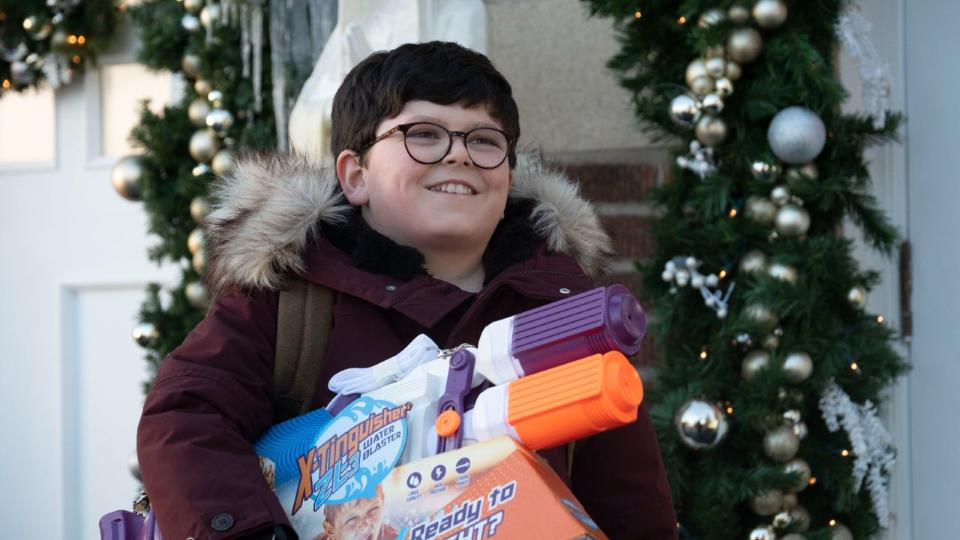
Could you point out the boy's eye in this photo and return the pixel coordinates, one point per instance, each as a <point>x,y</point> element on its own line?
<point>488,138</point>
<point>425,132</point>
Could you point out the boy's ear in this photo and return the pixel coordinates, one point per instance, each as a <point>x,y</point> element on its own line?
<point>352,181</point>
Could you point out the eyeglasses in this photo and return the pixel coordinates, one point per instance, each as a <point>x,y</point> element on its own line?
<point>429,143</point>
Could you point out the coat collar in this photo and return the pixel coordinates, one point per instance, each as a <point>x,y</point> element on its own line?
<point>270,210</point>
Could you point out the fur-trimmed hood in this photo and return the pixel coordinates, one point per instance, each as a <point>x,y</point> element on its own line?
<point>272,205</point>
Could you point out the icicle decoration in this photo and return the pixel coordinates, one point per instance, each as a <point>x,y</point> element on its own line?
<point>256,44</point>
<point>871,444</point>
<point>700,160</point>
<point>853,30</point>
<point>683,271</point>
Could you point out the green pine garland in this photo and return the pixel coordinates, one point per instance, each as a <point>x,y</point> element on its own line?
<point>713,488</point>
<point>31,31</point>
<point>169,184</point>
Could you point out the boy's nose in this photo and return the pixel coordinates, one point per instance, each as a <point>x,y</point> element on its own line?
<point>458,151</point>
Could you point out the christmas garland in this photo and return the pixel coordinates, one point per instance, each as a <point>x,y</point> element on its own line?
<point>51,40</point>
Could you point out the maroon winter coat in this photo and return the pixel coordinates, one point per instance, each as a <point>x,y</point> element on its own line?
<point>213,395</point>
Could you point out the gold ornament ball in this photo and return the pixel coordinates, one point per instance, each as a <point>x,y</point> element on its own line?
<point>763,532</point>
<point>764,171</point>
<point>215,97</point>
<point>712,104</point>
<point>761,209</point>
<point>197,112</point>
<point>716,67</point>
<point>781,444</point>
<point>802,469</point>
<point>199,262</point>
<point>789,501</point>
<point>792,220</point>
<point>219,121</point>
<point>700,424</point>
<point>753,262</point>
<point>223,162</point>
<point>797,367</point>
<point>724,87</point>
<point>202,87</point>
<point>196,241</point>
<point>783,272</point>
<point>127,177</point>
<point>211,13</point>
<point>857,296</point>
<point>782,520</point>
<point>769,13</point>
<point>738,14</point>
<point>145,334</point>
<point>702,85</point>
<point>800,517</point>
<point>761,315</point>
<point>753,363</point>
<point>711,130</point>
<point>193,6</point>
<point>197,295</point>
<point>190,64</point>
<point>808,171</point>
<point>204,145</point>
<point>770,342</point>
<point>767,503</point>
<point>199,209</point>
<point>696,70</point>
<point>840,532</point>
<point>744,45</point>
<point>733,71</point>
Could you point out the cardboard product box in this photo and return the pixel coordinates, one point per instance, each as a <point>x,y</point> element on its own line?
<point>338,479</point>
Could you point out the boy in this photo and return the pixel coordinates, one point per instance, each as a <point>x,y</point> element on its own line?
<point>443,234</point>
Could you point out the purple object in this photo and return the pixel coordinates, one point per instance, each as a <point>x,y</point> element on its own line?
<point>595,322</point>
<point>123,525</point>
<point>340,402</point>
<point>459,378</point>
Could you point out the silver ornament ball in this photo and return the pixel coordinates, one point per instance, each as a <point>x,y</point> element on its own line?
<point>204,145</point>
<point>210,14</point>
<point>695,70</point>
<point>840,532</point>
<point>769,13</point>
<point>742,340</point>
<point>716,67</point>
<point>767,503</point>
<point>196,240</point>
<point>789,501</point>
<point>783,272</point>
<point>202,87</point>
<point>199,209</point>
<point>734,71</point>
<point>780,195</point>
<point>723,87</point>
<point>215,97</point>
<point>800,430</point>
<point>761,315</point>
<point>753,363</point>
<point>797,367</point>
<point>21,73</point>
<point>763,171</point>
<point>711,17</point>
<point>782,520</point>
<point>796,135</point>
<point>702,85</point>
<point>738,14</point>
<point>763,532</point>
<point>791,416</point>
<point>753,261</point>
<point>802,469</point>
<point>712,104</point>
<point>197,111</point>
<point>145,334</point>
<point>127,177</point>
<point>770,342</point>
<point>190,23</point>
<point>190,64</point>
<point>700,424</point>
<point>857,296</point>
<point>202,169</point>
<point>808,171</point>
<point>224,162</point>
<point>781,444</point>
<point>761,209</point>
<point>792,220</point>
<point>711,130</point>
<point>744,45</point>
<point>197,295</point>
<point>219,120</point>
<point>684,110</point>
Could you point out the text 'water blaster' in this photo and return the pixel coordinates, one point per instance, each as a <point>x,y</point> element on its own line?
<point>559,373</point>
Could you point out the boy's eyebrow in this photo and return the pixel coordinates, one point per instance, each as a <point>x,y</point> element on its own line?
<point>435,120</point>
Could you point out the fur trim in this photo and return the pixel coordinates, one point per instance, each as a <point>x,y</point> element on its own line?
<point>272,205</point>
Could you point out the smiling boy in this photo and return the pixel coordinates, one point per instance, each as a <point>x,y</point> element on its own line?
<point>444,230</point>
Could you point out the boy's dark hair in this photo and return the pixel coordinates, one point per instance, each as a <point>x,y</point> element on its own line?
<point>440,72</point>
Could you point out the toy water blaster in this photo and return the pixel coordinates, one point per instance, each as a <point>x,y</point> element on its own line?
<point>559,373</point>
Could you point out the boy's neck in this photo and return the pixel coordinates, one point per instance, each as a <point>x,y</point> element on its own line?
<point>463,270</point>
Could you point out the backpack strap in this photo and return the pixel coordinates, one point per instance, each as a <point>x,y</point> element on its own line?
<point>304,320</point>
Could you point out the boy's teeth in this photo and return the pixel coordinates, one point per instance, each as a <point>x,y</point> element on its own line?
<point>453,188</point>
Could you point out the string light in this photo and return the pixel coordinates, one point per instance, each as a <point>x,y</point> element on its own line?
<point>703,354</point>
<point>723,274</point>
<point>81,40</point>
<point>812,480</point>
<point>733,212</point>
<point>729,410</point>
<point>76,59</point>
<point>832,522</point>
<point>682,20</point>
<point>3,16</point>
<point>637,14</point>
<point>880,319</point>
<point>72,39</point>
<point>6,84</point>
<point>844,452</point>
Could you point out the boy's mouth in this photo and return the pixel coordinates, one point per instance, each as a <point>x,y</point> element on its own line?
<point>456,188</point>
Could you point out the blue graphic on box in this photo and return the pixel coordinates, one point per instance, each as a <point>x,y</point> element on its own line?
<point>332,460</point>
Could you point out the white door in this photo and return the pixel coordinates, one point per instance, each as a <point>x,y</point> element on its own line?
<point>73,272</point>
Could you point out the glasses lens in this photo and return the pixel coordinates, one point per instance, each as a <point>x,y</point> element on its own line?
<point>427,143</point>
<point>487,147</point>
